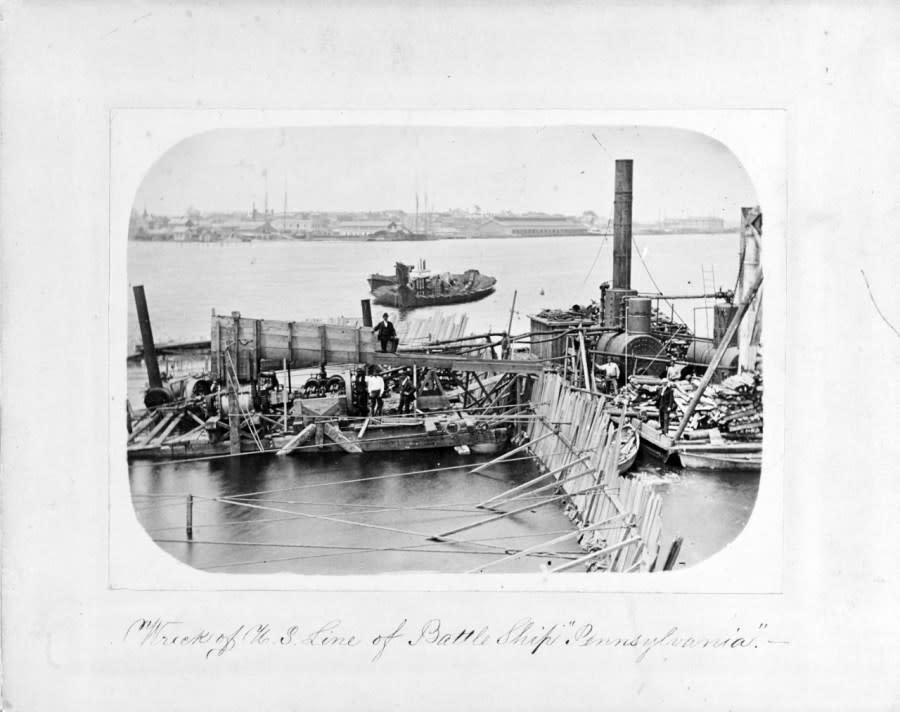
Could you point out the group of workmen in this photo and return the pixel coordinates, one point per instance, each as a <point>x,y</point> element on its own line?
<point>370,390</point>
<point>370,386</point>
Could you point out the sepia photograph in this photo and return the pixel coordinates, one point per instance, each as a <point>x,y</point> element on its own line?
<point>445,349</point>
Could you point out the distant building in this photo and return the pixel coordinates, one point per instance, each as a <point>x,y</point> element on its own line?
<point>366,228</point>
<point>531,226</point>
<point>693,224</point>
<point>292,224</point>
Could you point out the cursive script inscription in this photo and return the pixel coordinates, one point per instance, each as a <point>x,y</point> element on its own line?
<point>524,634</point>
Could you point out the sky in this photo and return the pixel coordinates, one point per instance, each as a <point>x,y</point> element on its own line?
<point>558,169</point>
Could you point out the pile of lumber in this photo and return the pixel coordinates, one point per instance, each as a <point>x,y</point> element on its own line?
<point>733,407</point>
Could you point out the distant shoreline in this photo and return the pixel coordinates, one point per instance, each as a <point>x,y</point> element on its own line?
<point>338,238</point>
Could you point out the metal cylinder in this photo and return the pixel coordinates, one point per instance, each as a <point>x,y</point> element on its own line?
<point>614,307</point>
<point>156,396</point>
<point>194,387</point>
<point>640,354</point>
<point>245,402</point>
<point>638,315</point>
<point>700,353</point>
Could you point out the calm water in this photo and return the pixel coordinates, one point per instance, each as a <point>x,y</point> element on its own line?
<point>295,281</point>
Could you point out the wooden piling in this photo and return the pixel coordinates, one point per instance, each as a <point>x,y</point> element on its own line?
<point>674,551</point>
<point>189,521</point>
<point>234,413</point>
<point>150,362</point>
<point>366,312</point>
<point>284,393</point>
<point>323,344</point>
<point>579,424</point>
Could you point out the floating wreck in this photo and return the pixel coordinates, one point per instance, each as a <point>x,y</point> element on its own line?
<point>411,287</point>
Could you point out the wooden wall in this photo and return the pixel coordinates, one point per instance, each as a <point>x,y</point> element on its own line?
<point>265,343</point>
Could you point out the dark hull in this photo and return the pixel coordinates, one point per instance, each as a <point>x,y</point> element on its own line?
<point>381,280</point>
<point>468,287</point>
<point>393,297</point>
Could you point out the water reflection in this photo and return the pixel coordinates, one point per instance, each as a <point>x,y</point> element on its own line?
<point>339,514</point>
<point>708,508</point>
<point>303,514</point>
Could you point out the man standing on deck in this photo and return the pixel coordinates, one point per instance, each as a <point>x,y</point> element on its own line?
<point>385,331</point>
<point>610,373</point>
<point>375,386</point>
<point>361,393</point>
<point>666,403</point>
<point>673,373</point>
<point>407,394</point>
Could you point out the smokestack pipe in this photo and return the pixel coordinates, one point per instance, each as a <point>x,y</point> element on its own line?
<point>149,355</point>
<point>622,226</point>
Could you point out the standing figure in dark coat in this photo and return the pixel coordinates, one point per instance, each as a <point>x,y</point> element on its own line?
<point>666,403</point>
<point>407,394</point>
<point>385,331</point>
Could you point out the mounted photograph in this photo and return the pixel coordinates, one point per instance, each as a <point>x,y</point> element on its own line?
<point>384,349</point>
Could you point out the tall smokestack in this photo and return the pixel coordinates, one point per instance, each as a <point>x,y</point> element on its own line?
<point>622,226</point>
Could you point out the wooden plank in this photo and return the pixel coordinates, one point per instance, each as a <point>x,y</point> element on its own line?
<point>298,439</point>
<point>593,555</point>
<point>342,440</point>
<point>147,421</point>
<point>525,485</point>
<point>163,423</point>
<point>457,363</point>
<point>497,517</point>
<point>543,546</point>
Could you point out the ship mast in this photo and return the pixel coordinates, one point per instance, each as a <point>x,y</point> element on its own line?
<point>748,339</point>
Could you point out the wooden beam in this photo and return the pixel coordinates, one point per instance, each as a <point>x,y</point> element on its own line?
<point>511,452</point>
<point>150,361</point>
<point>594,555</point>
<point>497,517</point>
<point>544,545</point>
<point>323,344</point>
<point>146,422</point>
<point>345,443</point>
<point>553,485</point>
<point>298,439</point>
<point>456,363</point>
<point>531,482</point>
<point>290,358</point>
